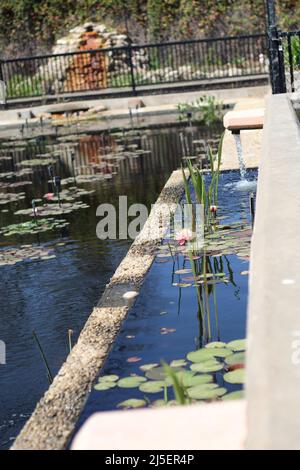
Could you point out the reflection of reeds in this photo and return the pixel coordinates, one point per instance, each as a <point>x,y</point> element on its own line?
<point>49,373</point>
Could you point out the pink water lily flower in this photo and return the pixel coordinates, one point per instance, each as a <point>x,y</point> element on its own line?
<point>184,236</point>
<point>49,196</point>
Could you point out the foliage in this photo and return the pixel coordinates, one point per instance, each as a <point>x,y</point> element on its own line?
<point>28,26</point>
<point>205,109</point>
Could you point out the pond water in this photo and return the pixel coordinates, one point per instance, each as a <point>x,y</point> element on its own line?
<point>165,325</point>
<point>54,287</point>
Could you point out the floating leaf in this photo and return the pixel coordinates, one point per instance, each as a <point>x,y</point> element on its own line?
<point>206,392</point>
<point>166,331</point>
<point>236,358</point>
<point>146,367</point>
<point>238,394</point>
<point>235,377</point>
<point>237,345</point>
<point>133,359</point>
<point>215,344</point>
<point>131,382</point>
<point>132,403</point>
<point>159,373</point>
<point>101,386</point>
<point>154,386</point>
<point>200,355</point>
<point>183,271</point>
<point>205,354</point>
<point>191,381</point>
<point>178,363</point>
<point>211,365</point>
<point>109,378</point>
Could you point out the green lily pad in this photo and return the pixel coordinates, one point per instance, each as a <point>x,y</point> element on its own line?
<point>154,386</point>
<point>235,377</point>
<point>108,378</point>
<point>200,355</point>
<point>235,358</point>
<point>206,392</point>
<point>237,345</point>
<point>178,363</point>
<point>234,395</point>
<point>211,365</point>
<point>104,386</point>
<point>216,344</point>
<point>191,381</point>
<point>205,354</point>
<point>131,382</point>
<point>159,373</point>
<point>220,352</point>
<point>147,367</point>
<point>132,403</point>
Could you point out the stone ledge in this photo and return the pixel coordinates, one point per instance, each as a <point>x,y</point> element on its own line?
<point>273,381</point>
<point>211,426</point>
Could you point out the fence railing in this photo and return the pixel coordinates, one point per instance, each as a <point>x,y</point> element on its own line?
<point>135,66</point>
<point>284,60</point>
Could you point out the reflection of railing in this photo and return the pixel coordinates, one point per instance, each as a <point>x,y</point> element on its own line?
<point>135,66</point>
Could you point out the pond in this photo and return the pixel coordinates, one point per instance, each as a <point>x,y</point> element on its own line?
<point>51,279</point>
<point>167,322</point>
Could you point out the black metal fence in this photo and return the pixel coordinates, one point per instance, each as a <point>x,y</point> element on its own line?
<point>284,60</point>
<point>135,66</point>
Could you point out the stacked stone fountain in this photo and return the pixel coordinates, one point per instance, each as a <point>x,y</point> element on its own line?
<point>90,71</point>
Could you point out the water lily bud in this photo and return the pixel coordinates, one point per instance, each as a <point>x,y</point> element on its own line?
<point>213,209</point>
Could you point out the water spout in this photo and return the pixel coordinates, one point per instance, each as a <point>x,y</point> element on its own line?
<point>239,149</point>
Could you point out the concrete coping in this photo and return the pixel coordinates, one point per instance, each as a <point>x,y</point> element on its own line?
<point>168,428</point>
<point>273,366</point>
<point>244,119</point>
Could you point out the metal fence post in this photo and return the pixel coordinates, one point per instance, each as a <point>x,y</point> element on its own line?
<point>2,87</point>
<point>133,84</point>
<point>276,58</point>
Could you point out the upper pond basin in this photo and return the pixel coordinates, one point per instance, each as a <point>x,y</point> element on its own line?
<point>53,289</point>
<point>165,325</point>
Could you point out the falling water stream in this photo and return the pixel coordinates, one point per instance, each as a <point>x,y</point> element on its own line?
<point>239,149</point>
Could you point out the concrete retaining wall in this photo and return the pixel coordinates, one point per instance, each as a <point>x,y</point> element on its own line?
<point>273,360</point>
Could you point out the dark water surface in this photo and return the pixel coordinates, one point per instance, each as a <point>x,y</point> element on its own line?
<point>55,295</point>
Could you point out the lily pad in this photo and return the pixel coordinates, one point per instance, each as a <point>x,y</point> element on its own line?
<point>159,373</point>
<point>235,377</point>
<point>200,355</point>
<point>178,363</point>
<point>206,391</point>
<point>108,378</point>
<point>101,386</point>
<point>238,394</point>
<point>191,381</point>
<point>153,386</point>
<point>131,382</point>
<point>237,345</point>
<point>211,365</point>
<point>132,403</point>
<point>205,354</point>
<point>33,227</point>
<point>235,358</point>
<point>147,367</point>
<point>215,344</point>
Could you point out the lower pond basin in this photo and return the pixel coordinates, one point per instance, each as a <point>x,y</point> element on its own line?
<point>165,324</point>
<point>53,289</point>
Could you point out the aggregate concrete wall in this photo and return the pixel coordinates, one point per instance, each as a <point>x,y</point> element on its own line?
<point>273,356</point>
